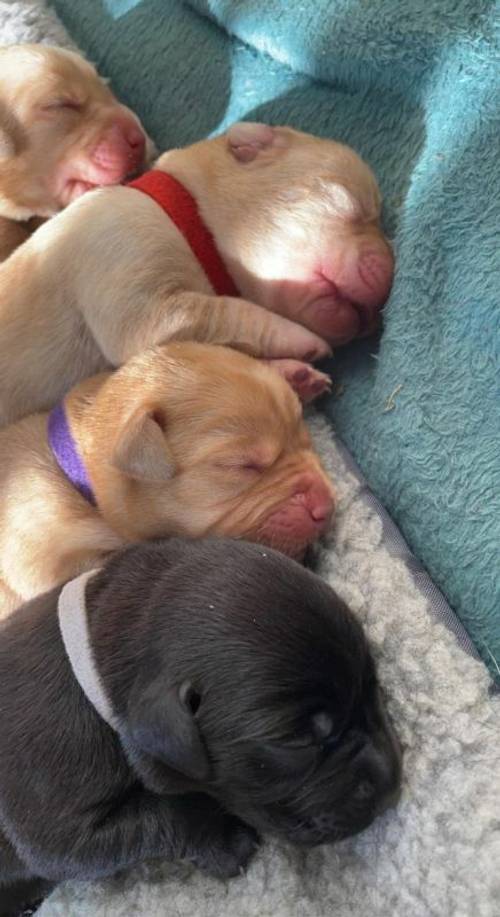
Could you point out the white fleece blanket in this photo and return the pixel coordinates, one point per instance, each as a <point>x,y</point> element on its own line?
<point>438,854</point>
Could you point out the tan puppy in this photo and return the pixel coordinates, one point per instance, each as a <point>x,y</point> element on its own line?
<point>295,219</point>
<point>62,132</point>
<point>184,439</point>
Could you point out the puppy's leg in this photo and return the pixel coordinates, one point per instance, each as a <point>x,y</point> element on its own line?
<point>144,826</point>
<point>153,291</point>
<point>220,843</point>
<point>184,315</point>
<point>79,301</point>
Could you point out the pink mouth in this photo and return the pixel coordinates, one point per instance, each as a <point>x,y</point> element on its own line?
<point>351,287</point>
<point>300,522</point>
<point>289,542</point>
<point>74,188</point>
<point>338,318</point>
<point>91,178</point>
<point>118,155</point>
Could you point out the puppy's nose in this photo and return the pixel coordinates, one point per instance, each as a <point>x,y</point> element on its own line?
<point>389,801</point>
<point>375,270</point>
<point>321,511</point>
<point>319,501</point>
<point>121,147</point>
<point>380,771</point>
<point>135,138</point>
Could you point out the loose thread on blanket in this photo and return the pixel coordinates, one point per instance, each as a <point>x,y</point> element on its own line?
<point>494,661</point>
<point>390,403</point>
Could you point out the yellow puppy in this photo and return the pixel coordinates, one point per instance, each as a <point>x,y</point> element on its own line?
<point>295,224</point>
<point>62,132</point>
<point>185,439</point>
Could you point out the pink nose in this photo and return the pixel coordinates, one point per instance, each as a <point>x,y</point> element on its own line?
<point>121,148</point>
<point>375,269</point>
<point>319,502</point>
<point>135,138</point>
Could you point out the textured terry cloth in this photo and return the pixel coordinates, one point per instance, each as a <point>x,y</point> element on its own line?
<point>414,86</point>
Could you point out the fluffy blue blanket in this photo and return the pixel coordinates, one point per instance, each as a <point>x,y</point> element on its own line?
<point>414,86</point>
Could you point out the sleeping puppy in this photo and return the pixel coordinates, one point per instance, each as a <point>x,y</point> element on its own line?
<point>184,439</point>
<point>248,239</point>
<point>62,132</point>
<point>185,697</point>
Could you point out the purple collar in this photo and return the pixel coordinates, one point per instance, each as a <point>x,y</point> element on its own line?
<point>65,452</point>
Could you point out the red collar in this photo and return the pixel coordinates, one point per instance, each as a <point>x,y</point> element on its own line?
<point>182,209</point>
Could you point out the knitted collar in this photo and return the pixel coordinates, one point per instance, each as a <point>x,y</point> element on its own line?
<point>73,624</point>
<point>65,452</point>
<point>181,207</point>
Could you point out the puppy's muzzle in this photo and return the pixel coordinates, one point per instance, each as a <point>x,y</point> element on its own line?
<point>380,768</point>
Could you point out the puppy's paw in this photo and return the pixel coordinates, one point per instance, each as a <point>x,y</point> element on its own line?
<point>226,848</point>
<point>306,381</point>
<point>284,339</point>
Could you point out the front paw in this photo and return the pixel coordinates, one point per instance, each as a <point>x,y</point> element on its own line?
<point>225,848</point>
<point>308,383</point>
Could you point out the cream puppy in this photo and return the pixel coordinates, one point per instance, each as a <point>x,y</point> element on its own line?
<point>185,439</point>
<point>295,222</point>
<point>62,132</point>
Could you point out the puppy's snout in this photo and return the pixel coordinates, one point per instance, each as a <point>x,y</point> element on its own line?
<point>121,148</point>
<point>380,772</point>
<point>302,516</point>
<point>375,269</point>
<point>135,138</point>
<point>318,499</point>
<point>363,275</point>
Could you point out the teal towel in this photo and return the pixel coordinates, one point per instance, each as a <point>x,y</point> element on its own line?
<point>414,86</point>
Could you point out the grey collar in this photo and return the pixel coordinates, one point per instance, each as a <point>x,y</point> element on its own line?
<point>73,625</point>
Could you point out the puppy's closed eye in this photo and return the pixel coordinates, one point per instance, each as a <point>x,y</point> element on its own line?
<point>243,466</point>
<point>304,752</point>
<point>62,105</point>
<point>323,730</point>
<point>322,726</point>
<point>250,467</point>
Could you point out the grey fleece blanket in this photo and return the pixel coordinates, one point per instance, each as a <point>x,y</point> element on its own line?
<point>438,854</point>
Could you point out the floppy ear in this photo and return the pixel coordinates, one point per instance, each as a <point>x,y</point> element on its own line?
<point>162,724</point>
<point>141,451</point>
<point>247,139</point>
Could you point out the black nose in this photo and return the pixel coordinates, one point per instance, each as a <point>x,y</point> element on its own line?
<point>379,764</point>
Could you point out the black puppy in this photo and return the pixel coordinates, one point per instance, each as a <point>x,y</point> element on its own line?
<point>189,691</point>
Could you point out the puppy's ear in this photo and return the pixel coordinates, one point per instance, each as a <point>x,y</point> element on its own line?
<point>162,724</point>
<point>246,140</point>
<point>141,451</point>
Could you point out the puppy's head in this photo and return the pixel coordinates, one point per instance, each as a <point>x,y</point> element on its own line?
<point>62,131</point>
<point>298,222</point>
<point>194,439</point>
<point>256,684</point>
